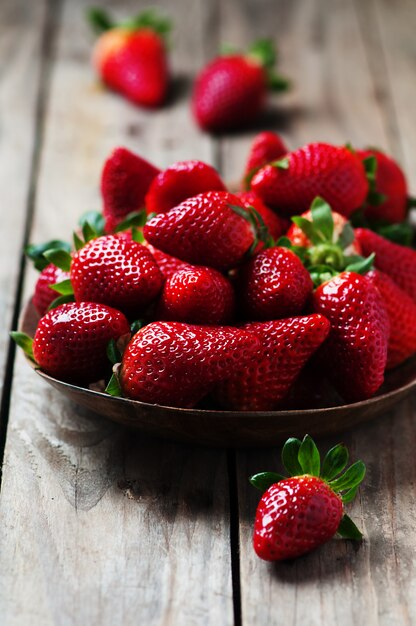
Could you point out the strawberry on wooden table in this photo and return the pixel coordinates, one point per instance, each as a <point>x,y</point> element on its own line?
<point>335,173</point>
<point>395,260</point>
<point>285,347</point>
<point>198,295</point>
<point>297,514</point>
<point>125,180</point>
<point>231,90</point>
<point>266,147</point>
<point>130,57</point>
<point>176,364</point>
<point>212,229</point>
<point>180,181</point>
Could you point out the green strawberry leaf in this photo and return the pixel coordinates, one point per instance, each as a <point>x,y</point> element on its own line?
<point>308,229</point>
<point>88,232</point>
<point>402,234</point>
<point>349,495</point>
<point>320,274</point>
<point>362,266</point>
<point>264,52</point>
<point>348,530</point>
<point>264,480</point>
<point>309,457</point>
<point>137,235</point>
<point>35,252</point>
<point>113,353</point>
<point>59,257</point>
<point>411,202</point>
<point>351,478</point>
<point>113,388</point>
<point>24,342</point>
<point>335,461</point>
<point>136,326</point>
<point>136,218</point>
<point>61,300</point>
<point>78,242</point>
<point>64,287</point>
<point>346,237</point>
<point>277,82</point>
<point>149,19</point>
<point>370,166</point>
<point>374,198</point>
<point>282,164</point>
<point>99,20</point>
<point>290,453</point>
<point>322,218</point>
<point>95,220</point>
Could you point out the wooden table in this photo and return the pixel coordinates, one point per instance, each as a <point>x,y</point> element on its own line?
<point>100,526</point>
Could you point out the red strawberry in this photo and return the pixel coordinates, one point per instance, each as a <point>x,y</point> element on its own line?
<point>286,345</point>
<point>116,272</point>
<point>390,183</point>
<point>317,169</point>
<point>274,284</point>
<point>266,147</point>
<point>231,90</point>
<point>180,181</point>
<point>130,57</point>
<point>275,224</point>
<point>198,295</point>
<point>44,295</point>
<point>167,264</point>
<point>71,340</point>
<point>204,230</point>
<point>401,310</point>
<point>176,364</point>
<point>398,262</point>
<point>296,515</point>
<point>125,179</point>
<point>355,353</point>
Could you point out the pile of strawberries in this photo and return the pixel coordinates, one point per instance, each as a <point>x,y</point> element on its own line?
<point>192,292</point>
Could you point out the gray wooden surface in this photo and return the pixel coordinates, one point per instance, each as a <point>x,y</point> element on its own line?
<point>102,527</point>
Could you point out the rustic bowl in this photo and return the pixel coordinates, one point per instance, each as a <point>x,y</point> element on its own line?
<point>232,428</point>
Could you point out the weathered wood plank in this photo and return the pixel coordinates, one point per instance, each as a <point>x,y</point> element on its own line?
<point>101,526</point>
<point>19,84</point>
<point>335,98</point>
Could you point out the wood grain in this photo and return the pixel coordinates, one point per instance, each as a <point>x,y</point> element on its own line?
<point>102,526</point>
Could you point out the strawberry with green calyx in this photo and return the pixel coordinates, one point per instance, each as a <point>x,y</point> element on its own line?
<point>231,90</point>
<point>266,147</point>
<point>275,224</point>
<point>297,514</point>
<point>36,252</point>
<point>45,294</point>
<point>130,56</point>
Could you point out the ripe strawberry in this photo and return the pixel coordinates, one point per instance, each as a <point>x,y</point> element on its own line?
<point>44,295</point>
<point>266,147</point>
<point>116,272</point>
<point>231,90</point>
<point>274,284</point>
<point>130,57</point>
<point>401,310</point>
<point>390,189</point>
<point>180,181</point>
<point>71,340</point>
<point>167,264</point>
<point>355,354</point>
<point>318,169</point>
<point>286,345</point>
<point>198,295</point>
<point>297,514</point>
<point>208,229</point>
<point>398,262</point>
<point>275,224</point>
<point>125,179</point>
<point>174,364</point>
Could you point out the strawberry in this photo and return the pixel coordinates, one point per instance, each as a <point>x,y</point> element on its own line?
<point>117,272</point>
<point>275,224</point>
<point>125,180</point>
<point>388,200</point>
<point>231,90</point>
<point>355,354</point>
<point>401,310</point>
<point>209,229</point>
<point>180,181</point>
<point>175,364</point>
<point>285,347</point>
<point>398,262</point>
<point>266,147</point>
<point>198,295</point>
<point>318,169</point>
<point>298,514</point>
<point>167,264</point>
<point>71,340</point>
<point>274,284</point>
<point>44,295</point>
<point>130,57</point>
